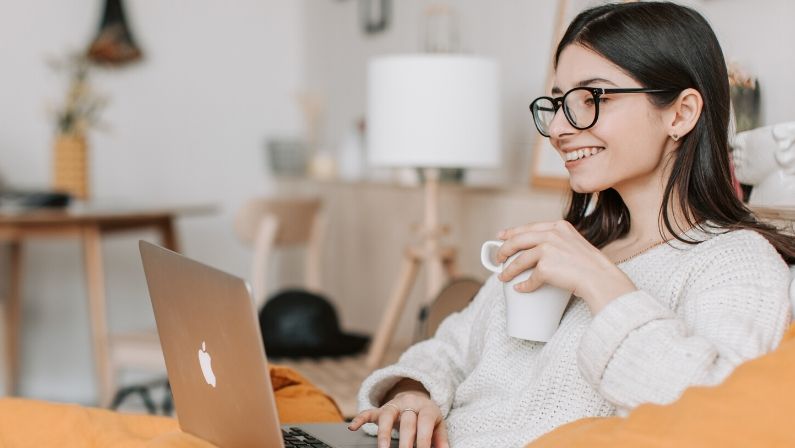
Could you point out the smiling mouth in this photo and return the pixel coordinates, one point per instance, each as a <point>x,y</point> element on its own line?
<point>582,153</point>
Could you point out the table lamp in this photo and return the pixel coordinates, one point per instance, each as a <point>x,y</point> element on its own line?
<point>429,111</point>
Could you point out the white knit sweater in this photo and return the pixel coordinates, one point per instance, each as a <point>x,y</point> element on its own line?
<point>699,311</point>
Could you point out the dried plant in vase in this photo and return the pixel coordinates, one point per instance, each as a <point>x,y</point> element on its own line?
<point>744,91</point>
<point>78,112</point>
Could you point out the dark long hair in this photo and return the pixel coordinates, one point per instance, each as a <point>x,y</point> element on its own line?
<point>664,45</point>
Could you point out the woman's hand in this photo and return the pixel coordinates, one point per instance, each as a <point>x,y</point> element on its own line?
<point>419,417</point>
<point>561,257</point>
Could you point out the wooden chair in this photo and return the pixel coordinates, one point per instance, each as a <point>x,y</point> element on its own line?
<point>268,224</point>
<point>454,297</point>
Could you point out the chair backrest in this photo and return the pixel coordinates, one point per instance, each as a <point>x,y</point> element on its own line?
<point>454,297</point>
<point>269,223</point>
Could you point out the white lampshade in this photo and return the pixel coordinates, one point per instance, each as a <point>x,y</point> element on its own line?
<point>433,111</point>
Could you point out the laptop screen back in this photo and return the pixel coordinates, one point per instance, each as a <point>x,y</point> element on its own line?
<point>213,351</point>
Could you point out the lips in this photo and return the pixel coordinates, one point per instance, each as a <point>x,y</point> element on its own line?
<point>581,153</point>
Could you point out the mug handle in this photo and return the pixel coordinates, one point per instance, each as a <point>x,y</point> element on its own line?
<point>487,251</point>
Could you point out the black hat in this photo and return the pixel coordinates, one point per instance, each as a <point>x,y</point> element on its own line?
<point>297,323</point>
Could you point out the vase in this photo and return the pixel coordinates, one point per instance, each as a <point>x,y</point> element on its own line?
<point>745,101</point>
<point>70,165</point>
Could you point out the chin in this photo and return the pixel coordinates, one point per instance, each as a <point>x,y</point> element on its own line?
<point>584,187</point>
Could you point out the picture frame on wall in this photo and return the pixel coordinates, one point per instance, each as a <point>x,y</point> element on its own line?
<point>547,167</point>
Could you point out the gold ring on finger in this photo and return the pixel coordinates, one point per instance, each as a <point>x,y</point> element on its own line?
<point>410,409</point>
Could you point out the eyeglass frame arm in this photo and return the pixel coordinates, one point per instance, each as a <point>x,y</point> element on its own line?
<point>597,92</point>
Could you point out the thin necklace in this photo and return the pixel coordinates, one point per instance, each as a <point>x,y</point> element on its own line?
<point>660,243</point>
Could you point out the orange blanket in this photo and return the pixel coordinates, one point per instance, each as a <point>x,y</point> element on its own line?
<point>29,423</point>
<point>754,407</point>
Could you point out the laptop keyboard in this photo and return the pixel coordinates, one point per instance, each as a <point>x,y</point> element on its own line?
<point>294,437</point>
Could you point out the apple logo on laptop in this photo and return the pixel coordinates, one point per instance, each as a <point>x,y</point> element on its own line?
<point>205,361</point>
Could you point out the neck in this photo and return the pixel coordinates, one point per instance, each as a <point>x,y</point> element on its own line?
<point>643,198</point>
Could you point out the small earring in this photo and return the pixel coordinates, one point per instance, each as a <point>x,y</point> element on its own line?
<point>675,137</point>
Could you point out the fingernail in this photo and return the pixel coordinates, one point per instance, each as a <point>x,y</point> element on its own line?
<point>517,288</point>
<point>501,233</point>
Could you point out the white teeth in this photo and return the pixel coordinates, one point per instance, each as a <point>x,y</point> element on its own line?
<point>580,153</point>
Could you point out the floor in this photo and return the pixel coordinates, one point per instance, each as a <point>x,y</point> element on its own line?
<point>340,378</point>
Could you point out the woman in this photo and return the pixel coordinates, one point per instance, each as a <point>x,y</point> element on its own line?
<point>675,283</point>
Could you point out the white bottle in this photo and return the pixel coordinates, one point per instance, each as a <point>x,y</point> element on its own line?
<point>351,156</point>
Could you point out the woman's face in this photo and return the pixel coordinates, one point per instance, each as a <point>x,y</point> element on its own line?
<point>629,134</point>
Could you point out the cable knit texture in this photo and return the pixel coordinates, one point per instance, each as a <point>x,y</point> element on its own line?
<point>699,311</point>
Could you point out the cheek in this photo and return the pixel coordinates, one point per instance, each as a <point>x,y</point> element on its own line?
<point>634,150</point>
<point>634,141</point>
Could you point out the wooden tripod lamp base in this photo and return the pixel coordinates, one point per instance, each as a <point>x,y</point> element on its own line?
<point>439,262</point>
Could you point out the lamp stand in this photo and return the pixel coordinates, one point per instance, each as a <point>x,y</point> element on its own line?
<point>438,261</point>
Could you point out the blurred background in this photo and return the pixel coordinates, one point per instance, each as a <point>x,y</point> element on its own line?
<point>267,98</point>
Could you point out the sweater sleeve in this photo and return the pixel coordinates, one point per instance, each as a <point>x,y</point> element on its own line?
<point>442,362</point>
<point>734,308</point>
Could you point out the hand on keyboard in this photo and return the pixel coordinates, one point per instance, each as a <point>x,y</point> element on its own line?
<point>419,417</point>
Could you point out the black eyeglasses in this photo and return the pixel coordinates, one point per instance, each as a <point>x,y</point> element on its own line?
<point>580,106</point>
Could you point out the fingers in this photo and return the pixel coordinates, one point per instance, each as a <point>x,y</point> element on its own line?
<point>526,260</point>
<point>386,420</point>
<point>532,227</point>
<point>535,281</point>
<point>384,417</point>
<point>419,423</point>
<point>526,240</point>
<point>408,429</point>
<point>363,417</point>
<point>426,422</point>
<point>439,439</point>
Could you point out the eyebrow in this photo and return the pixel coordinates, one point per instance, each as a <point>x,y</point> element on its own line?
<point>584,83</point>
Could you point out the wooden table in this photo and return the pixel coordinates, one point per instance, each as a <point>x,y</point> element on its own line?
<point>774,213</point>
<point>89,223</point>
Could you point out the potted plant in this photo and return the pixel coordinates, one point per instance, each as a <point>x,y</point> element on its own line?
<point>74,116</point>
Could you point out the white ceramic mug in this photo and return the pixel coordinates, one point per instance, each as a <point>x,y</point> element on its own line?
<point>533,316</point>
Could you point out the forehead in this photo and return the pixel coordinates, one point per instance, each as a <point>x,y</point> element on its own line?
<point>578,63</point>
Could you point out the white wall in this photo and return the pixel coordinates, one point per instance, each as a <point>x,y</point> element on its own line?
<point>760,36</point>
<point>188,126</point>
<point>518,34</point>
<point>514,32</point>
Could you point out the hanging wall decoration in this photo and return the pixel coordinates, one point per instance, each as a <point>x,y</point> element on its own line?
<point>114,43</point>
<point>375,15</point>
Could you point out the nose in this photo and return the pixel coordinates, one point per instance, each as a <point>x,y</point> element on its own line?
<point>560,126</point>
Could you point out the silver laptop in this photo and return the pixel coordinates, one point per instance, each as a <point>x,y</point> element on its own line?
<point>216,362</point>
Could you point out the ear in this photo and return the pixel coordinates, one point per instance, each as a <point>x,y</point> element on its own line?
<point>681,117</point>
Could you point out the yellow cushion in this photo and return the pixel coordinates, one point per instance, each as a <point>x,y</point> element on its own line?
<point>754,407</point>
<point>30,423</point>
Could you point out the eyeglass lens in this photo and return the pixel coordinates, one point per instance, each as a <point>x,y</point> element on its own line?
<point>579,106</point>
